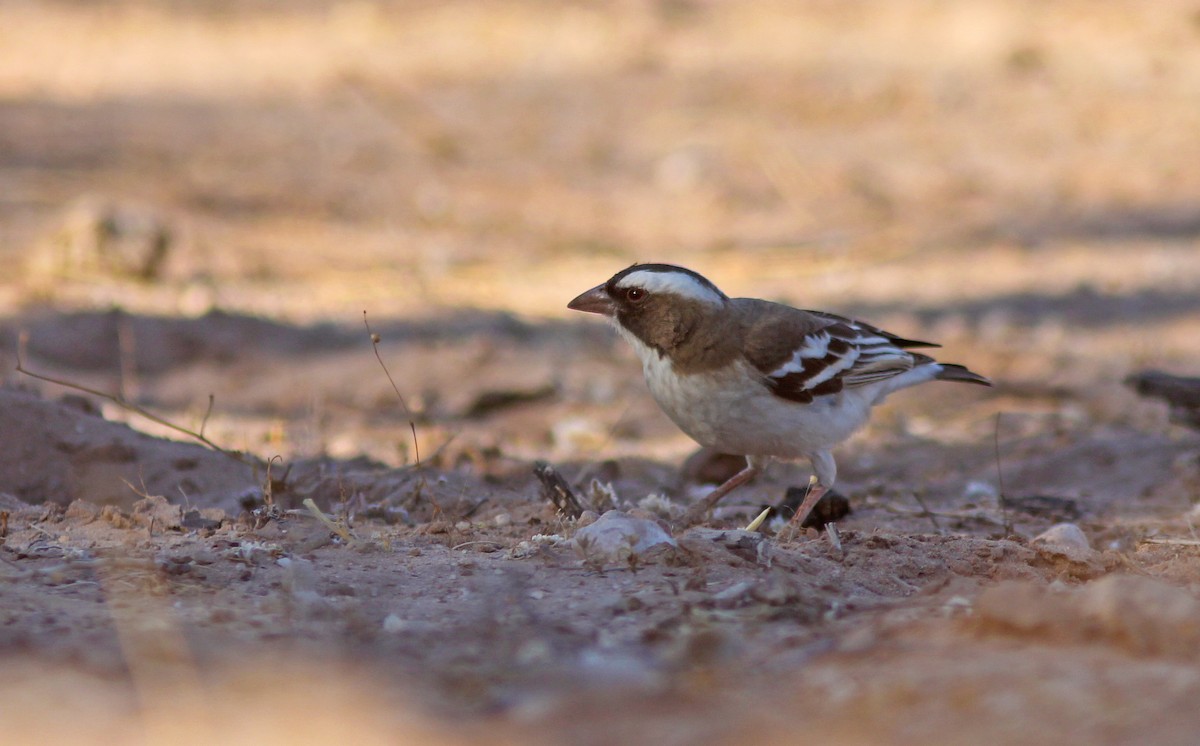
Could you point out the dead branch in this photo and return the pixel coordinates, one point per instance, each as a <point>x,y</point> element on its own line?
<point>556,490</point>
<point>122,402</point>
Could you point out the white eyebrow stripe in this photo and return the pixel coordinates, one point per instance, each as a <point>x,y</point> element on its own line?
<point>678,283</point>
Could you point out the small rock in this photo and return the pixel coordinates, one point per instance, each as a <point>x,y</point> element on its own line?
<point>587,518</point>
<point>1065,539</point>
<point>979,491</point>
<point>502,520</point>
<point>616,534</point>
<point>194,519</point>
<point>156,513</point>
<point>81,510</point>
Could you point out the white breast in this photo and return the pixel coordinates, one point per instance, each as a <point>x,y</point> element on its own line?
<point>733,411</point>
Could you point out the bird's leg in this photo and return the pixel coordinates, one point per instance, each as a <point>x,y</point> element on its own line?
<point>824,475</point>
<point>816,491</point>
<point>698,511</point>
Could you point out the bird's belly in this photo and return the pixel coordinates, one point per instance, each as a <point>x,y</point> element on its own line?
<point>721,411</point>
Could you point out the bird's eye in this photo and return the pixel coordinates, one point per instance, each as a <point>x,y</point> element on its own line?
<point>635,294</point>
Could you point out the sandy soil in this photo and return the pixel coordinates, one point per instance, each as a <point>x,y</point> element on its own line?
<point>198,201</point>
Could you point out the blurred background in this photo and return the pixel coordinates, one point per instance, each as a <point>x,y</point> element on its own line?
<point>413,156</point>
<point>1011,174</point>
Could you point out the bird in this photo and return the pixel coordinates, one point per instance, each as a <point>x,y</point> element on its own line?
<point>756,378</point>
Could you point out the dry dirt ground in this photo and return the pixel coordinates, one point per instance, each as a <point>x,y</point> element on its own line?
<point>199,200</point>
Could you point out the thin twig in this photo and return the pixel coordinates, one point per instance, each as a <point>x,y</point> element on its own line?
<point>120,401</point>
<point>269,485</point>
<point>375,339</point>
<point>336,528</point>
<point>1008,526</point>
<point>928,513</point>
<point>207,413</point>
<point>142,493</point>
<point>1175,542</point>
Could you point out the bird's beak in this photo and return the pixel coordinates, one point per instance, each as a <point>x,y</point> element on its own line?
<point>595,300</point>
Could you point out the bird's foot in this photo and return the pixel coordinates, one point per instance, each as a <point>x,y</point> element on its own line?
<point>698,512</point>
<point>816,491</point>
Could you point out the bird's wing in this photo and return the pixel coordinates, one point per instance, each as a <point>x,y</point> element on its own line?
<point>806,354</point>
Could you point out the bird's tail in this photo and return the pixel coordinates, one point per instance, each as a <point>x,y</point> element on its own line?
<point>952,372</point>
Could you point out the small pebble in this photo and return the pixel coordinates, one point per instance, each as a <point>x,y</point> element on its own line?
<point>616,533</point>
<point>587,518</point>
<point>1066,535</point>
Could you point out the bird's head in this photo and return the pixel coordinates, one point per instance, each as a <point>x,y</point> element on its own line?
<point>659,304</point>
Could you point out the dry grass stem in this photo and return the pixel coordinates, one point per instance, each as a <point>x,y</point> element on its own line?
<point>120,401</point>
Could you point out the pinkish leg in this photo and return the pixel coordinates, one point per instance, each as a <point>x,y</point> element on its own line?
<point>699,511</point>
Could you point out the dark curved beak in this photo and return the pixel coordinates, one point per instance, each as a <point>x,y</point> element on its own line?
<point>595,300</point>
